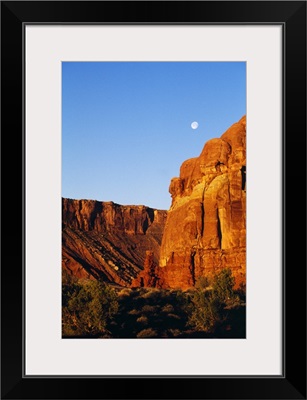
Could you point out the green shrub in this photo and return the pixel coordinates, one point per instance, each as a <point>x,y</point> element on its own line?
<point>206,311</point>
<point>126,292</point>
<point>173,332</point>
<point>223,284</point>
<point>168,308</point>
<point>149,309</point>
<point>142,320</point>
<point>134,312</point>
<point>202,283</point>
<point>87,306</point>
<point>242,291</point>
<point>209,303</point>
<point>152,294</point>
<point>174,316</point>
<point>147,333</point>
<point>181,302</point>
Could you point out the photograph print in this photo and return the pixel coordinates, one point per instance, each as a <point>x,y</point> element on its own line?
<point>153,200</point>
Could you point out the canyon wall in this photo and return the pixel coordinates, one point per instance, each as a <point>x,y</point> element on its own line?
<point>206,225</point>
<point>203,231</point>
<point>108,241</point>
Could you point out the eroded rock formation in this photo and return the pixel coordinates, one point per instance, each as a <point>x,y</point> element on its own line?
<point>149,277</point>
<point>109,241</point>
<point>204,230</point>
<point>206,224</point>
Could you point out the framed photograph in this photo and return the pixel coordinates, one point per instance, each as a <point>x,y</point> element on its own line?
<point>150,264</point>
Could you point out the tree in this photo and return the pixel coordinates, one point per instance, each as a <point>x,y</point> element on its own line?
<point>206,310</point>
<point>209,301</point>
<point>223,284</point>
<point>87,306</point>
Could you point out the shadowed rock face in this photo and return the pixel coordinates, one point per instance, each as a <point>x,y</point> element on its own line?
<point>107,240</point>
<point>206,224</point>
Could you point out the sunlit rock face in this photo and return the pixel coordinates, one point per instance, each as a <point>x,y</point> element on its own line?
<point>108,241</point>
<point>203,231</point>
<point>206,225</point>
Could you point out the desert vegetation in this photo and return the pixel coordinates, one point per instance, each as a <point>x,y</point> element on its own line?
<point>87,306</point>
<point>211,309</point>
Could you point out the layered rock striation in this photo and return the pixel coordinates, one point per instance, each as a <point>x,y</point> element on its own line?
<point>206,225</point>
<point>108,241</point>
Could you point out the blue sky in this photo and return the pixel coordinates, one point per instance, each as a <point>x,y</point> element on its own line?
<point>126,126</point>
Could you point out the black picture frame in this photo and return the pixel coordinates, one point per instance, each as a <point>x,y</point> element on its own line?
<point>292,16</point>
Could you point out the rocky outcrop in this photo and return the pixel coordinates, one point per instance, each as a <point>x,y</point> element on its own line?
<point>206,224</point>
<point>105,240</point>
<point>204,230</point>
<point>149,277</point>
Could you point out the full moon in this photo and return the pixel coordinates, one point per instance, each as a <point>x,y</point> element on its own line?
<point>194,125</point>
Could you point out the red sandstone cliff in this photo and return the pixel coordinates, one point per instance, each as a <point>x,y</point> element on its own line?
<point>107,240</point>
<point>206,228</point>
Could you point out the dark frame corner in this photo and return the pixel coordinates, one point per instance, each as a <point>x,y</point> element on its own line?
<point>292,14</point>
